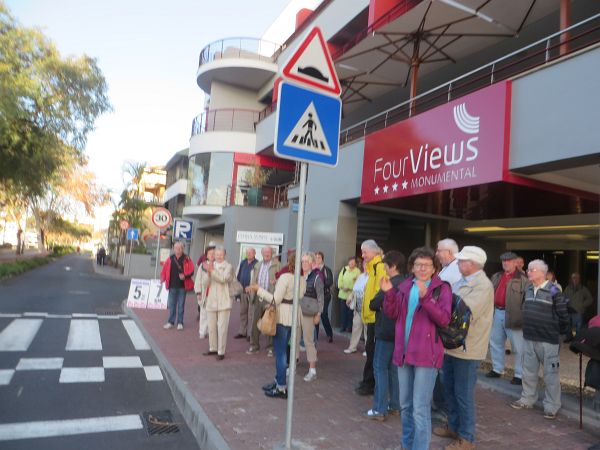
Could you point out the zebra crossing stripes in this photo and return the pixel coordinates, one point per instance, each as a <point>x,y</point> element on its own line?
<point>69,427</point>
<point>40,363</point>
<point>5,376</point>
<point>84,335</point>
<point>17,336</point>
<point>81,375</point>
<point>135,335</point>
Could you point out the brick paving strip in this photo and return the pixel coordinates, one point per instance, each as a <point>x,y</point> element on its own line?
<point>226,408</point>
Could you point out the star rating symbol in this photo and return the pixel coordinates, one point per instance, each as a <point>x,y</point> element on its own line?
<point>395,187</point>
<point>377,190</point>
<point>404,184</point>
<point>385,189</point>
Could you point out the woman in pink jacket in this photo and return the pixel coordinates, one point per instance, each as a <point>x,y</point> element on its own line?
<point>419,305</point>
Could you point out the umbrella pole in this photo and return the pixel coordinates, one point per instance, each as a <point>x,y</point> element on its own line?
<point>580,393</point>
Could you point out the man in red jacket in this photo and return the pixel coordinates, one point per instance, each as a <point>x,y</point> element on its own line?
<point>177,275</point>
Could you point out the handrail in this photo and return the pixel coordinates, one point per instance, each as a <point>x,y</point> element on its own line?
<point>225,119</point>
<point>239,47</point>
<point>490,70</point>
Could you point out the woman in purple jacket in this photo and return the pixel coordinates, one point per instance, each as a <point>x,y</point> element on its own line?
<point>418,351</point>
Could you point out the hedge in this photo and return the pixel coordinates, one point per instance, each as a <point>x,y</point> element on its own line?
<point>15,268</point>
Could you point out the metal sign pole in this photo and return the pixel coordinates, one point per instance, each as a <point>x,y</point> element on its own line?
<point>157,253</point>
<point>297,275</point>
<point>129,265</point>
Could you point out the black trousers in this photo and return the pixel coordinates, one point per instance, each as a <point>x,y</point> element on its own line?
<point>325,318</point>
<point>368,375</point>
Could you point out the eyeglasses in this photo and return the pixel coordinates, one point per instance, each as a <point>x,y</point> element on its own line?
<point>422,266</point>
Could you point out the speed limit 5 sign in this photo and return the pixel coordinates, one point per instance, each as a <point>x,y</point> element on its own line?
<point>161,217</point>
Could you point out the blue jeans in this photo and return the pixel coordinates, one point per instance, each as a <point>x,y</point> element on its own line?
<point>176,303</point>
<point>416,390</point>
<point>386,378</point>
<point>459,377</point>
<point>498,339</point>
<point>576,321</point>
<point>280,342</point>
<point>347,315</point>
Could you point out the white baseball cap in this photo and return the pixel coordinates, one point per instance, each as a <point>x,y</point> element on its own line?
<point>472,253</point>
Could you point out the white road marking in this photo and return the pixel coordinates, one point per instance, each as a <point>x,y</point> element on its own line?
<point>35,314</point>
<point>84,335</point>
<point>50,428</point>
<point>5,376</point>
<point>121,362</point>
<point>107,317</point>
<point>58,316</point>
<point>153,373</point>
<point>135,335</point>
<point>79,315</point>
<point>67,268</point>
<point>7,315</point>
<point>19,334</point>
<point>79,292</point>
<point>40,363</point>
<point>81,375</point>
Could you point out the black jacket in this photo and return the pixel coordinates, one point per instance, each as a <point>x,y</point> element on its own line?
<point>385,328</point>
<point>545,315</point>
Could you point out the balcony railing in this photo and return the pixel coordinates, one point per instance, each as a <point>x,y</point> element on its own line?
<point>274,197</point>
<point>227,119</point>
<point>249,48</point>
<point>572,39</point>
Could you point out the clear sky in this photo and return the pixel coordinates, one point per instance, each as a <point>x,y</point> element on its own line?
<point>148,51</point>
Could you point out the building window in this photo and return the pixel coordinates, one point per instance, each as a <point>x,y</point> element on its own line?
<point>210,179</point>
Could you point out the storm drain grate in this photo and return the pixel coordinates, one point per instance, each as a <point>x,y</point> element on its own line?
<point>160,422</point>
<point>108,312</point>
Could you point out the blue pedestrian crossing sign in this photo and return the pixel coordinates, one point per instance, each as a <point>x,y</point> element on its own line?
<point>307,125</point>
<point>133,234</point>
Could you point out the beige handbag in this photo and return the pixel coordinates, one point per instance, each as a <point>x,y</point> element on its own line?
<point>268,323</point>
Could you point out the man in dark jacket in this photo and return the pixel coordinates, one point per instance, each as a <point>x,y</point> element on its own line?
<point>509,287</point>
<point>244,276</point>
<point>579,298</point>
<point>544,318</point>
<point>327,283</point>
<point>386,399</point>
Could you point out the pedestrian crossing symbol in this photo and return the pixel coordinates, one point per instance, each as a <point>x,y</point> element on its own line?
<point>308,133</point>
<point>308,125</point>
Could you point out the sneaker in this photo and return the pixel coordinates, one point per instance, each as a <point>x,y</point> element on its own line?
<point>348,351</point>
<point>302,348</point>
<point>520,405</point>
<point>220,357</point>
<point>269,387</point>
<point>168,326</point>
<point>201,336</point>
<point>252,351</point>
<point>549,415</point>
<point>270,353</point>
<point>492,374</point>
<point>365,354</point>
<point>310,376</point>
<point>179,327</point>
<point>460,444</point>
<point>277,393</point>
<point>374,415</point>
<point>445,432</point>
<point>516,381</point>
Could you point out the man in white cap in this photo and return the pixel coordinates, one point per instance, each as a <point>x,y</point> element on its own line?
<point>459,372</point>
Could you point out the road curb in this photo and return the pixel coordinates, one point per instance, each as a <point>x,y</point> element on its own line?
<point>205,432</point>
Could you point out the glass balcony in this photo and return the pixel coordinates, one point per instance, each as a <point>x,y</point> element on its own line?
<point>228,119</point>
<point>249,48</point>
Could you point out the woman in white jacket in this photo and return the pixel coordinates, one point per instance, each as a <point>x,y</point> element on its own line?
<point>283,297</point>
<point>216,278</point>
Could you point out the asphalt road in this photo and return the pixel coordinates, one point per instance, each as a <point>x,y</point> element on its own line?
<point>74,372</point>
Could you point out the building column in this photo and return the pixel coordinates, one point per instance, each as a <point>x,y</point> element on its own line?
<point>565,22</point>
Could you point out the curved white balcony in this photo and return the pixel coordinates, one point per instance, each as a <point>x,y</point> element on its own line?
<point>245,62</point>
<point>224,130</point>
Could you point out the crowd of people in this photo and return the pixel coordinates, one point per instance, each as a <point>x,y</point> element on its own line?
<point>401,307</point>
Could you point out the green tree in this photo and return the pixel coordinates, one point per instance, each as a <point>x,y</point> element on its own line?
<point>48,106</point>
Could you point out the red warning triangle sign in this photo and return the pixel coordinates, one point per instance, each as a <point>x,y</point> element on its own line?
<point>312,64</point>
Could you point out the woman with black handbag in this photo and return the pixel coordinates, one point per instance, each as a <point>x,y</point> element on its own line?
<point>283,297</point>
<point>311,306</point>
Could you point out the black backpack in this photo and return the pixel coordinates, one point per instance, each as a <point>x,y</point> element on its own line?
<point>455,334</point>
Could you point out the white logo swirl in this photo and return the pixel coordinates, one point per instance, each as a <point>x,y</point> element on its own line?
<point>464,121</point>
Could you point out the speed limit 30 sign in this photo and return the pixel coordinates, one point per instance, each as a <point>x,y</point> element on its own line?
<point>161,217</point>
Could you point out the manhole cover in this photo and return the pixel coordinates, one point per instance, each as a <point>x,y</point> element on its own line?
<point>104,312</point>
<point>160,422</point>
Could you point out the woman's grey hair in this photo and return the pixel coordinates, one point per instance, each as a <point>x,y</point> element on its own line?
<point>370,244</point>
<point>178,243</point>
<point>220,247</point>
<point>449,244</point>
<point>539,264</point>
<point>309,255</point>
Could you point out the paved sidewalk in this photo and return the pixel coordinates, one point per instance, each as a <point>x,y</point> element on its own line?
<point>229,409</point>
<point>109,271</point>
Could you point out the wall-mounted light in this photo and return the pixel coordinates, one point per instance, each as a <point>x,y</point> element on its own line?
<point>493,229</point>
